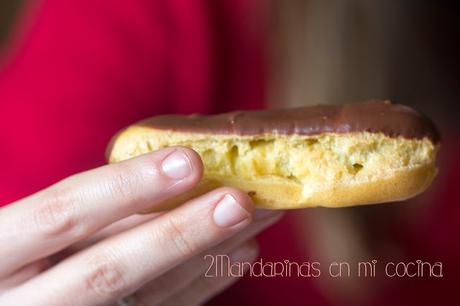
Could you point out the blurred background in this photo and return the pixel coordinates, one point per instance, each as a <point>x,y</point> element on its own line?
<point>328,51</point>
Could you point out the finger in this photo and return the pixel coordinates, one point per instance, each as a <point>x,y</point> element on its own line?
<point>204,288</point>
<point>82,204</point>
<point>108,231</point>
<point>118,266</point>
<point>121,226</point>
<point>159,289</point>
<point>23,274</point>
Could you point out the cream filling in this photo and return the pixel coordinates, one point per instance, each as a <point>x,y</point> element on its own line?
<point>307,160</point>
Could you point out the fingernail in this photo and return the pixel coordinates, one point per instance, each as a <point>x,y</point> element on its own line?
<point>228,212</point>
<point>261,213</point>
<point>176,166</point>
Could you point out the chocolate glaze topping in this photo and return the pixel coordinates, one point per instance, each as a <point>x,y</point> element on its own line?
<point>372,116</point>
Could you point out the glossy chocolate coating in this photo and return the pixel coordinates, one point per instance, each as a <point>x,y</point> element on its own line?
<point>371,116</point>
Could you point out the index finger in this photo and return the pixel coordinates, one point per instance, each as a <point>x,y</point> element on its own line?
<point>80,205</point>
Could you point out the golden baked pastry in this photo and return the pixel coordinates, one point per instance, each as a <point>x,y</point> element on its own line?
<point>327,155</point>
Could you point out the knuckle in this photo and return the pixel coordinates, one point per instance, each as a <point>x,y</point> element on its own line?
<point>55,215</point>
<point>104,277</point>
<point>123,183</point>
<point>176,232</point>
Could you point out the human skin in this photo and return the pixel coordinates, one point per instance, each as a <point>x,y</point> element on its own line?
<point>80,242</point>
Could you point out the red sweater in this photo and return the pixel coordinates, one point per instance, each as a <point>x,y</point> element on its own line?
<point>77,71</point>
<point>81,70</point>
